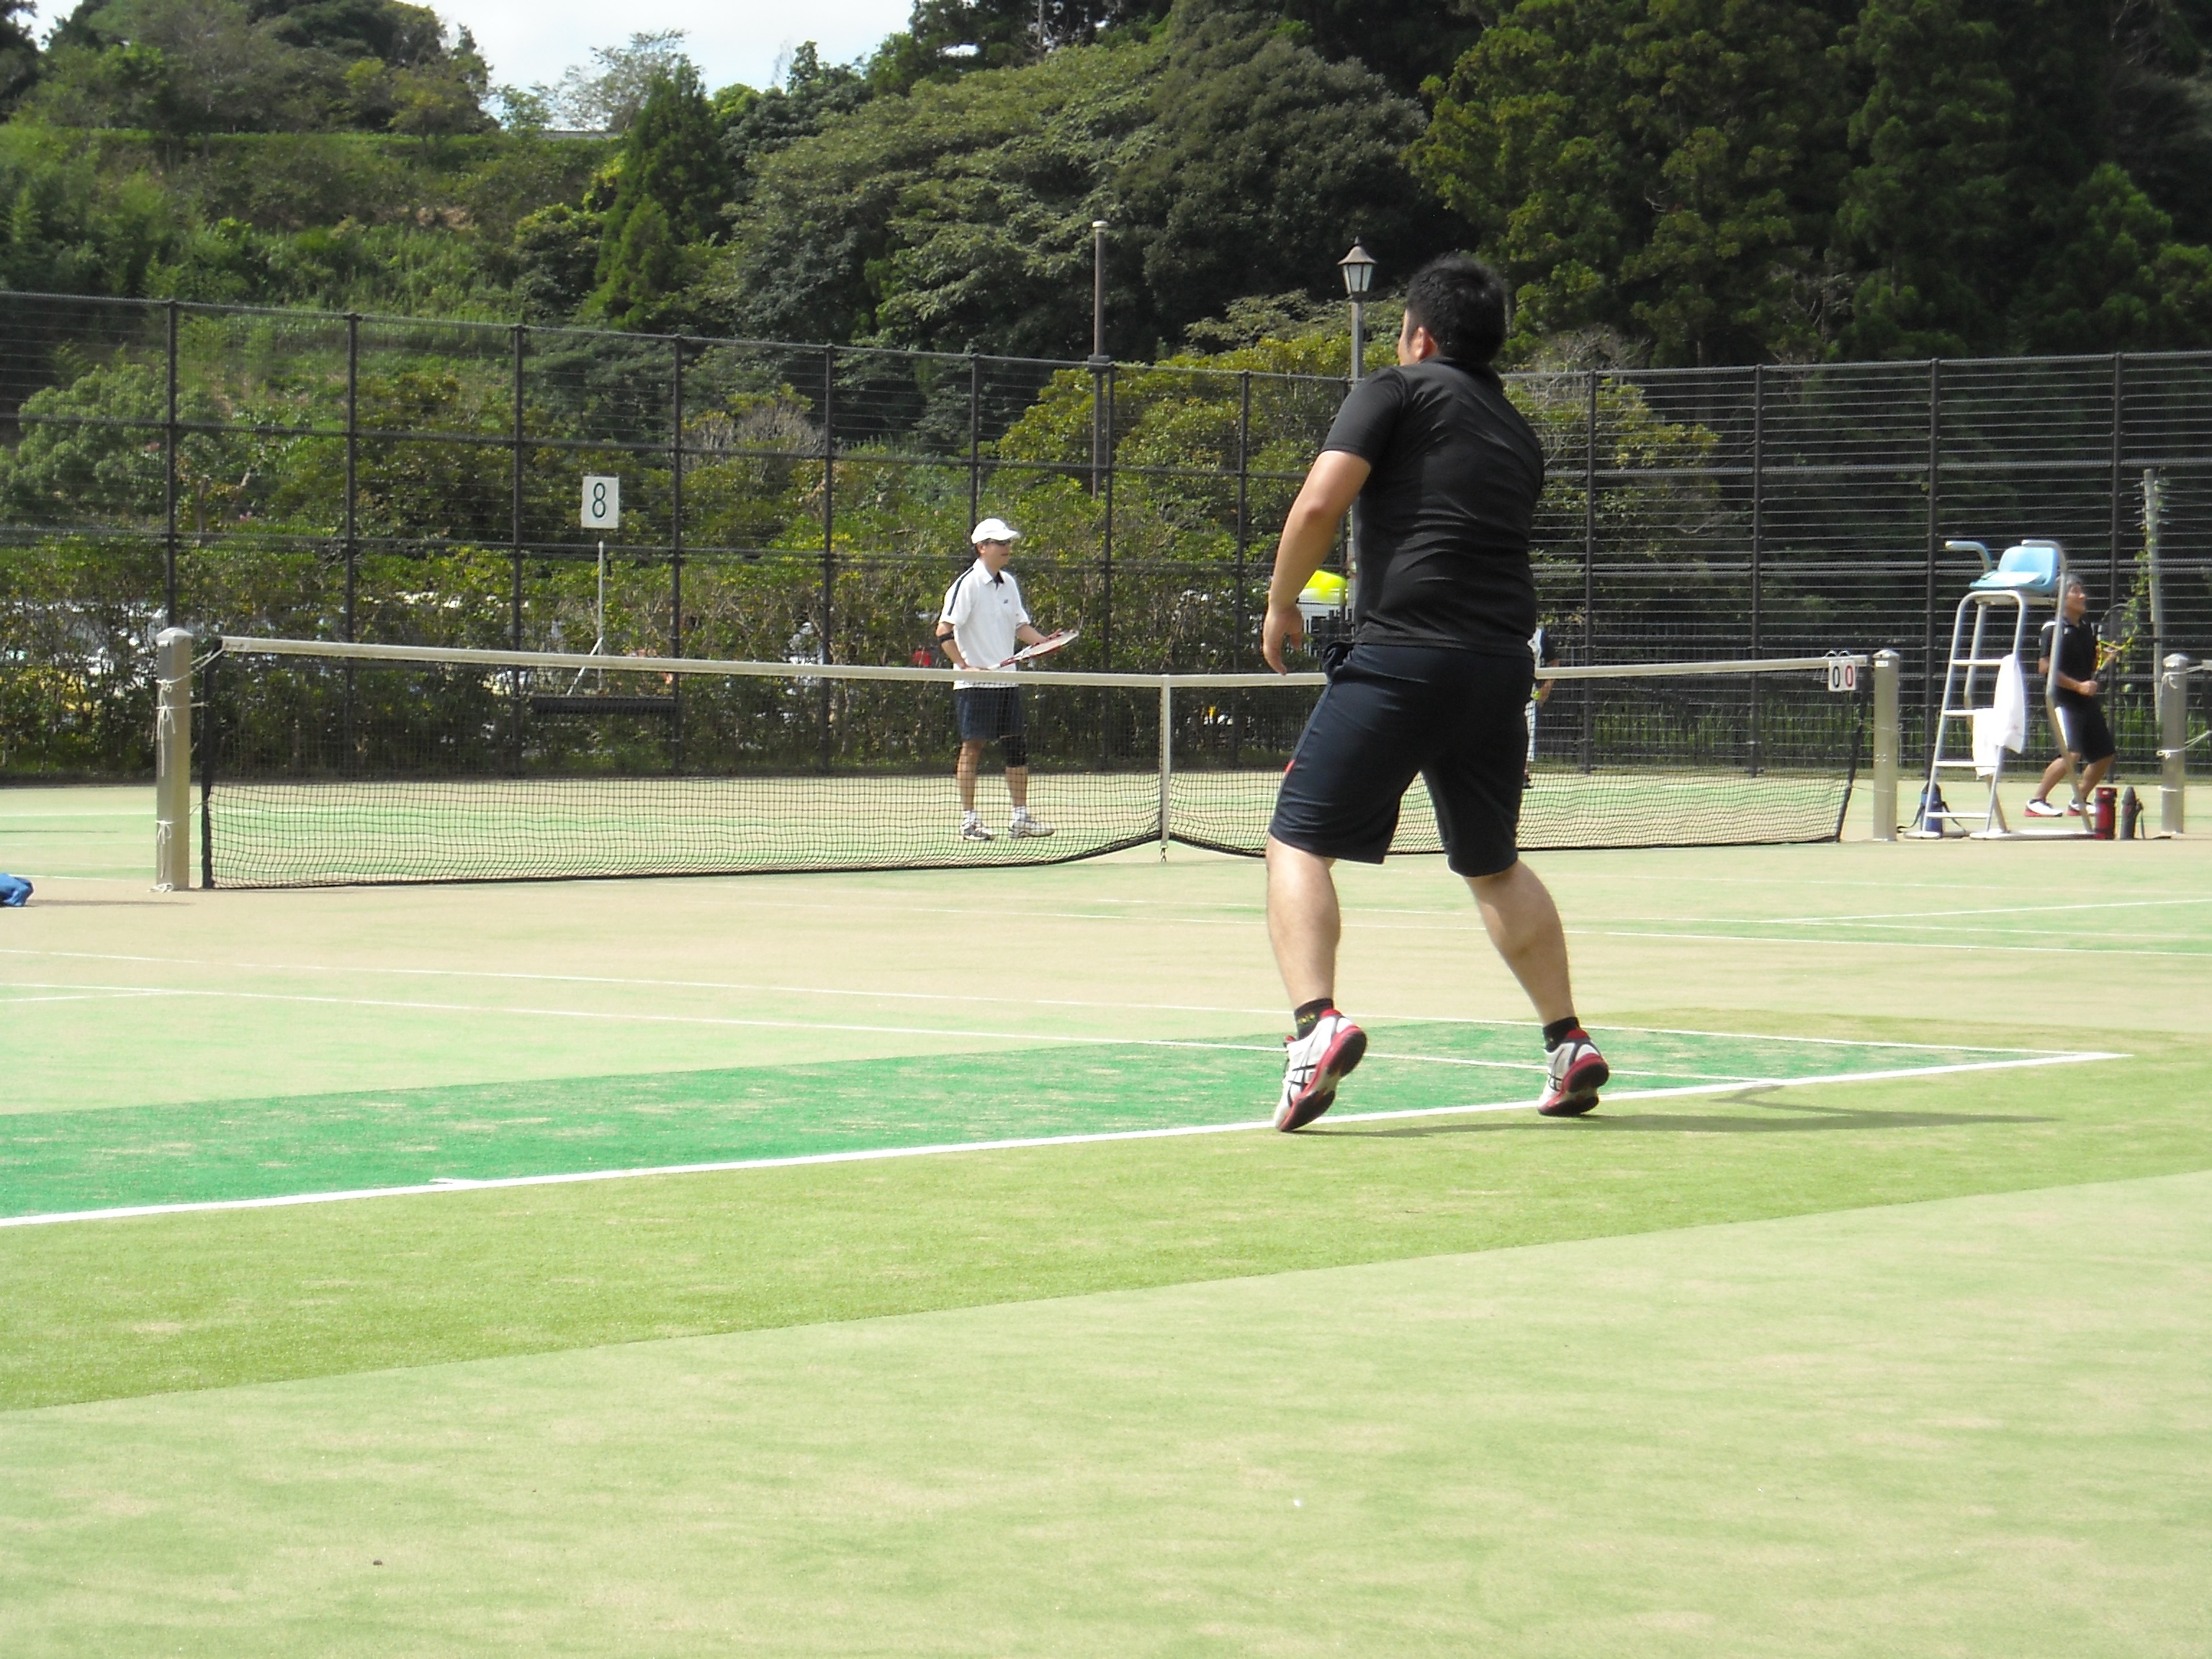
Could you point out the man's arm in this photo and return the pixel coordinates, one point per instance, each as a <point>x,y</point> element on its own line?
<point>950,645</point>
<point>2066,682</point>
<point>1335,480</point>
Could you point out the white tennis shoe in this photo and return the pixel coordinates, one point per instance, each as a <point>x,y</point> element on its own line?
<point>1576,1072</point>
<point>1024,825</point>
<point>971,828</point>
<point>1313,1065</point>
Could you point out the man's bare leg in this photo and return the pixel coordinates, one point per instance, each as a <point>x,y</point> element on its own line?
<point>971,757</point>
<point>1523,923</point>
<point>1017,788</point>
<point>1303,922</point>
<point>2054,774</point>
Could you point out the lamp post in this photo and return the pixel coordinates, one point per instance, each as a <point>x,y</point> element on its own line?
<point>1358,269</point>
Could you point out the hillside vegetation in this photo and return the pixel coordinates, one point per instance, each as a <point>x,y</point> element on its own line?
<point>1667,181</point>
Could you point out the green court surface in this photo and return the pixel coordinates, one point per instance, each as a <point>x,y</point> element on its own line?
<point>1928,1429</point>
<point>1867,1316</point>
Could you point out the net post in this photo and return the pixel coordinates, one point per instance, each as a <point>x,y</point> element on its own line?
<point>2173,744</point>
<point>1887,664</point>
<point>1167,755</point>
<point>172,761</point>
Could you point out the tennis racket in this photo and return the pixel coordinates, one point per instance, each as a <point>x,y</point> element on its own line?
<point>1043,648</point>
<point>2117,631</point>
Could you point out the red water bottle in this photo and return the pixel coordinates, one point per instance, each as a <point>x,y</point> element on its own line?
<point>2107,810</point>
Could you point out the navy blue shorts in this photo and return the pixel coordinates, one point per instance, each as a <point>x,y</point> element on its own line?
<point>1458,719</point>
<point>2085,730</point>
<point>989,712</point>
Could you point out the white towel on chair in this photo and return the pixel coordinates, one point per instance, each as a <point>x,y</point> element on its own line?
<point>2004,724</point>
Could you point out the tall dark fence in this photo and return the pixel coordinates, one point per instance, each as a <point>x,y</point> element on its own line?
<point>414,480</point>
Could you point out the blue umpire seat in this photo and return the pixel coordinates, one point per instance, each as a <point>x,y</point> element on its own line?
<point>2031,566</point>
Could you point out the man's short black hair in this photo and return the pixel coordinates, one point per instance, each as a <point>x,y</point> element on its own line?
<point>1461,303</point>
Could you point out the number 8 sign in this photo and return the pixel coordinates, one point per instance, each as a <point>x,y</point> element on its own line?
<point>602,502</point>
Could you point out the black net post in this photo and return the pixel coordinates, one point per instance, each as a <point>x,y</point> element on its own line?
<point>829,530</point>
<point>169,481</point>
<point>676,547</point>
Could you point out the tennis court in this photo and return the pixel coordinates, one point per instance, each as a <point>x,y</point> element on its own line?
<point>889,1262</point>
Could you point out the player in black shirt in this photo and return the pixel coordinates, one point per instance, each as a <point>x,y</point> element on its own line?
<point>1446,473</point>
<point>2084,737</point>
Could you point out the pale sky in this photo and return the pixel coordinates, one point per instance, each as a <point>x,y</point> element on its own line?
<point>533,40</point>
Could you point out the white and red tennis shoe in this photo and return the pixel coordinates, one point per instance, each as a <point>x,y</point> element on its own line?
<point>1314,1064</point>
<point>1577,1072</point>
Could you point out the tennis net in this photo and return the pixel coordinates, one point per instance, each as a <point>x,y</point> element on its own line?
<point>323,763</point>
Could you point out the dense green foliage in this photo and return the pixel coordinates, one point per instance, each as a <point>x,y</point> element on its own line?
<point>1731,180</point>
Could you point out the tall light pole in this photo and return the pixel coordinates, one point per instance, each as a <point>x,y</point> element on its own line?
<point>1358,269</point>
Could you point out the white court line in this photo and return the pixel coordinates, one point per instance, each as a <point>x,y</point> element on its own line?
<point>968,997</point>
<point>1888,944</point>
<point>102,995</point>
<point>455,1184</point>
<point>1993,910</point>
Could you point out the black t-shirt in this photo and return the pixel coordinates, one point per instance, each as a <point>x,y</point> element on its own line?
<point>1444,519</point>
<point>2077,658</point>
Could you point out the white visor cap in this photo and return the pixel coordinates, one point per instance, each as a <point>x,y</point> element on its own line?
<point>994,530</point>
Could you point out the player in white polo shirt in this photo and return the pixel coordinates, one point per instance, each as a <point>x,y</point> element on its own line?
<point>982,624</point>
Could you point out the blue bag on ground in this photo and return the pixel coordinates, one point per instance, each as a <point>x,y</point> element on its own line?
<point>13,889</point>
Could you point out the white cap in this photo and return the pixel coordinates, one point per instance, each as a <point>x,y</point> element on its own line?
<point>994,530</point>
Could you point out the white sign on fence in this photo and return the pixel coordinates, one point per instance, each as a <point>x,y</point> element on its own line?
<point>602,502</point>
<point>1842,674</point>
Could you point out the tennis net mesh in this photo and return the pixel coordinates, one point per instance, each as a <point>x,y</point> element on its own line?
<point>323,763</point>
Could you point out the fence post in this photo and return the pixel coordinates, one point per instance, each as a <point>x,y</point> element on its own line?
<point>1758,540</point>
<point>1931,687</point>
<point>975,438</point>
<point>1589,570</point>
<point>1886,666</point>
<point>1106,542</point>
<point>1243,525</point>
<point>676,503</point>
<point>514,507</point>
<point>828,498</point>
<point>2173,744</point>
<point>169,482</point>
<point>2119,409</point>
<point>173,761</point>
<point>352,471</point>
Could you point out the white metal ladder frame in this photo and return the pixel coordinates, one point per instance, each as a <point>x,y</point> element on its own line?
<point>1958,702</point>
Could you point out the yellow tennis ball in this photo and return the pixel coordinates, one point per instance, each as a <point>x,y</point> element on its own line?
<point>1326,588</point>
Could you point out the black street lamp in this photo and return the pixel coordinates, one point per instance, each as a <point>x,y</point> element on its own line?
<point>1358,269</point>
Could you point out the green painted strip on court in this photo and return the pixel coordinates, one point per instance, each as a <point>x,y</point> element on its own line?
<point>65,1162</point>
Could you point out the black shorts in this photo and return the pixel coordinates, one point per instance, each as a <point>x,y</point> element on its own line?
<point>989,712</point>
<point>1457,718</point>
<point>2082,728</point>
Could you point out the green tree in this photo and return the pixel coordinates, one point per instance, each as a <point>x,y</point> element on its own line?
<point>671,184</point>
<point>1664,167</point>
<point>1264,160</point>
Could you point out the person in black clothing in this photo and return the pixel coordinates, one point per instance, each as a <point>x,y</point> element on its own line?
<point>2084,737</point>
<point>1437,683</point>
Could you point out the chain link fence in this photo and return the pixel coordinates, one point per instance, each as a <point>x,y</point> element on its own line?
<point>419,482</point>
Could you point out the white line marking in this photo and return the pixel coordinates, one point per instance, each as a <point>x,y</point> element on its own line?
<point>1887,944</point>
<point>103,994</point>
<point>1905,917</point>
<point>460,1184</point>
<point>967,997</point>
